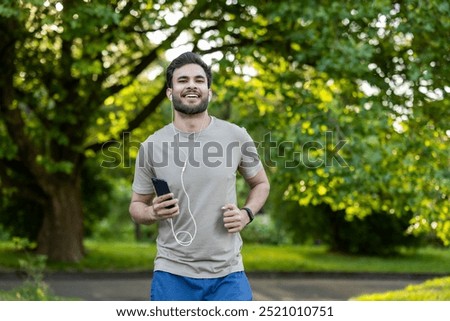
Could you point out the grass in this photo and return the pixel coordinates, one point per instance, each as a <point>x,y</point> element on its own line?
<point>432,290</point>
<point>123,256</point>
<point>318,259</point>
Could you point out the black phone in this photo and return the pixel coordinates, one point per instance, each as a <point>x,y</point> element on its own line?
<point>161,188</point>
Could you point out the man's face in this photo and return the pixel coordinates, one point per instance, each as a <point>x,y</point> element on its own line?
<point>190,93</point>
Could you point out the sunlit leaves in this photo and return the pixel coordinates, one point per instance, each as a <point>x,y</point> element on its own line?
<point>365,74</point>
<point>349,101</point>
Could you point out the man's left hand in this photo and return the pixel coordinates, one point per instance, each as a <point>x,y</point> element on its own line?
<point>234,219</point>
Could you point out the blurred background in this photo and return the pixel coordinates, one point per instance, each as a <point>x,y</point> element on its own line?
<point>347,101</point>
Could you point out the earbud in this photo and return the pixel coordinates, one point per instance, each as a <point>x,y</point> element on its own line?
<point>209,98</point>
<point>170,97</point>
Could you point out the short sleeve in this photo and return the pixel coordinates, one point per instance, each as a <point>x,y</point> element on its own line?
<point>250,163</point>
<point>143,172</point>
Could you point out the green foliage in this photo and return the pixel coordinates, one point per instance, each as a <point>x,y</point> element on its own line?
<point>354,106</point>
<point>433,290</point>
<point>33,267</point>
<point>263,230</point>
<point>22,217</point>
<point>98,199</point>
<point>117,224</point>
<point>353,95</point>
<point>377,234</point>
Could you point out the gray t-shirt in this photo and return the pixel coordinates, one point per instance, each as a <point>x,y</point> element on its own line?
<point>210,160</point>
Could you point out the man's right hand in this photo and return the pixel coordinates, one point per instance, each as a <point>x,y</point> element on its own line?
<point>159,210</point>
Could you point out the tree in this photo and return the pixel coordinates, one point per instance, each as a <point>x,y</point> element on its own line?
<point>355,105</point>
<point>64,65</point>
<point>77,76</point>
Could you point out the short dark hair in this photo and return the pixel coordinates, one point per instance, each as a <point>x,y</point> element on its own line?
<point>185,59</point>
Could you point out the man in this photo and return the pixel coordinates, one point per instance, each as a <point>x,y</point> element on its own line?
<point>198,245</point>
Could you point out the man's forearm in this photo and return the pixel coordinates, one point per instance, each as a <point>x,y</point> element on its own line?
<point>257,197</point>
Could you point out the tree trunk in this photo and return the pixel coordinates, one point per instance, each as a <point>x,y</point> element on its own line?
<point>61,234</point>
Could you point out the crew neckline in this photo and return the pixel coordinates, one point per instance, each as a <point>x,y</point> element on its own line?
<point>194,133</point>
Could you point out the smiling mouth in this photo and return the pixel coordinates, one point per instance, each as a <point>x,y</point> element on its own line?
<point>191,96</point>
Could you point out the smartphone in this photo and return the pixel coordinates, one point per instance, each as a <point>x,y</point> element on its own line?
<point>161,188</point>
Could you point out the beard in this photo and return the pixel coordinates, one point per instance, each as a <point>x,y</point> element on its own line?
<point>190,109</point>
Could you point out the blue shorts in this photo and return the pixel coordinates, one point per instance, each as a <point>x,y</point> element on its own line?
<point>171,287</point>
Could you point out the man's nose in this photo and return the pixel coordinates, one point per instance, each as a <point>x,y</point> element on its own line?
<point>191,84</point>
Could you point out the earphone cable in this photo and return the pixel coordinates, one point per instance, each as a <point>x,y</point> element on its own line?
<point>176,235</point>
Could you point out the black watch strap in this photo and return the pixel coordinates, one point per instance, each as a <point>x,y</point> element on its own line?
<point>250,214</point>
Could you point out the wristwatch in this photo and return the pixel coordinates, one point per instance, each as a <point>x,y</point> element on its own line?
<point>250,214</point>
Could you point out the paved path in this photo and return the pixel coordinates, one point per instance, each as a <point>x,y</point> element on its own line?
<point>266,287</point>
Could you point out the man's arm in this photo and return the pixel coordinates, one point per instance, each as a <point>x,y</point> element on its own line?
<point>259,191</point>
<point>147,209</point>
<point>234,218</point>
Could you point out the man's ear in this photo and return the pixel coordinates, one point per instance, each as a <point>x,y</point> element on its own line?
<point>169,93</point>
